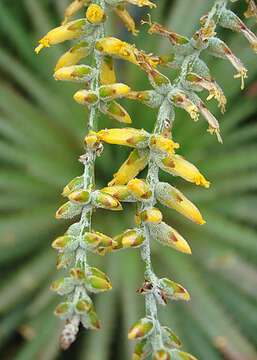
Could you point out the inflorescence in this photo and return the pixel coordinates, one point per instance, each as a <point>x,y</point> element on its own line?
<point>157,150</point>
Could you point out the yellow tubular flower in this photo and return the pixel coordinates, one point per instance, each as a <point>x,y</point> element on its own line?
<point>74,55</point>
<point>107,74</point>
<point>163,144</point>
<point>166,235</point>
<point>177,165</point>
<point>115,111</point>
<point>95,15</point>
<point>173,198</point>
<point>125,136</point>
<point>70,31</point>
<point>126,18</point>
<point>136,162</point>
<point>120,192</point>
<point>116,48</point>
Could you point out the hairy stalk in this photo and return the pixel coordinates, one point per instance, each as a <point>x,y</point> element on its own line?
<point>155,150</point>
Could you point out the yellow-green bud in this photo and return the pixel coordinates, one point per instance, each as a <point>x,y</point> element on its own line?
<point>68,210</point>
<point>141,329</point>
<point>74,184</point>
<point>76,73</point>
<point>120,192</point>
<point>142,349</point>
<point>62,310</point>
<point>173,290</point>
<point>85,97</point>
<point>161,355</point>
<point>115,111</point>
<point>83,306</point>
<point>113,91</point>
<point>79,196</point>
<point>103,200</point>
<point>169,338</point>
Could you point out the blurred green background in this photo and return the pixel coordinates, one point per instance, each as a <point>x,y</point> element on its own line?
<point>41,133</point>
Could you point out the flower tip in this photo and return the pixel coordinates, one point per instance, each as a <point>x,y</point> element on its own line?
<point>39,48</point>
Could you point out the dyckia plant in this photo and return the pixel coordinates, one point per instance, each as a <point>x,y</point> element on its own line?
<point>154,150</point>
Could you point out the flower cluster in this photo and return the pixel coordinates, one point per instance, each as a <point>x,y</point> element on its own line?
<point>157,150</point>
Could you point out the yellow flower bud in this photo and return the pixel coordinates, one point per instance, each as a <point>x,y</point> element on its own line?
<point>161,355</point>
<point>173,198</point>
<point>135,163</point>
<point>70,31</point>
<point>163,144</point>
<point>91,141</point>
<point>107,74</point>
<point>151,216</point>
<point>74,55</point>
<point>177,165</point>
<point>105,201</point>
<point>95,15</point>
<point>124,136</point>
<point>120,192</point>
<point>113,91</point>
<point>76,73</point>
<point>166,235</point>
<point>139,188</point>
<point>115,111</point>
<point>85,97</point>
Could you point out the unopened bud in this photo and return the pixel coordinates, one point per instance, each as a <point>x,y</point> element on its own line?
<point>173,198</point>
<point>63,310</point>
<point>96,239</point>
<point>96,280</point>
<point>120,192</point>
<point>91,141</point>
<point>68,210</point>
<point>168,236</point>
<point>83,306</point>
<point>129,238</point>
<point>173,290</point>
<point>169,338</point>
<point>64,259</point>
<point>151,216</point>
<point>115,111</point>
<point>90,321</point>
<point>161,355</point>
<point>63,286</point>
<point>142,349</point>
<point>79,196</point>
<point>103,200</point>
<point>113,91</point>
<point>64,242</point>
<point>85,97</point>
<point>76,73</point>
<point>141,329</point>
<point>74,184</point>
<point>181,355</point>
<point>148,97</point>
<point>77,274</point>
